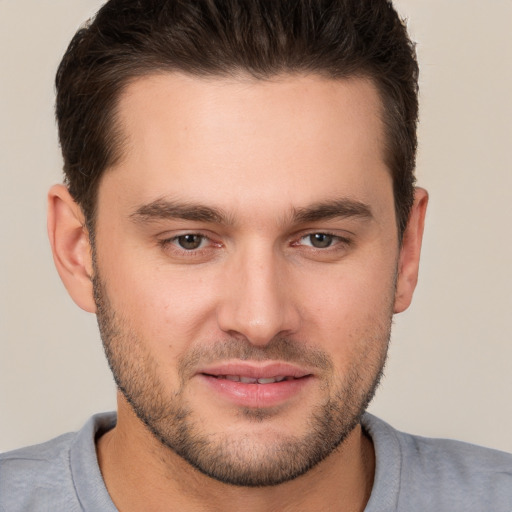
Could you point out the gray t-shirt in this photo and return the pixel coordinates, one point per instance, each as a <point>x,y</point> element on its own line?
<point>413,474</point>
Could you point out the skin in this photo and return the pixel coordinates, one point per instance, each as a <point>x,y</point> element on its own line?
<point>259,153</point>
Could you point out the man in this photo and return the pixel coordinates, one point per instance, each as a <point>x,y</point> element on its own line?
<point>240,213</point>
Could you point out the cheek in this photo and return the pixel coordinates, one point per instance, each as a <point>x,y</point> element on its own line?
<point>162,304</point>
<point>348,305</point>
<point>349,291</point>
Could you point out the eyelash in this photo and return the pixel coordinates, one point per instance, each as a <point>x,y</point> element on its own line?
<point>173,242</point>
<point>338,242</point>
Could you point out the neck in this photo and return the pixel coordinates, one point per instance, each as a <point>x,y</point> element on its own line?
<point>141,474</point>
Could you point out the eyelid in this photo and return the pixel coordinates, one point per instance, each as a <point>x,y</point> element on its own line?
<point>167,241</point>
<point>340,239</point>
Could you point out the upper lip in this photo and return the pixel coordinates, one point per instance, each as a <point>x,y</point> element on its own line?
<point>255,369</point>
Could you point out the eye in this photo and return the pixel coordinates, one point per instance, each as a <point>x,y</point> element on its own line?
<point>190,247</point>
<point>190,241</point>
<point>319,240</point>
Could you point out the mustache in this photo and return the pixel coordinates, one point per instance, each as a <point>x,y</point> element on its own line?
<point>278,349</point>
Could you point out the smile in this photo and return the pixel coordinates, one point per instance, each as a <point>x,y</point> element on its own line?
<point>256,385</point>
<point>253,380</point>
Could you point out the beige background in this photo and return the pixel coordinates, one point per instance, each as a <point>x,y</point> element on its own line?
<point>450,370</point>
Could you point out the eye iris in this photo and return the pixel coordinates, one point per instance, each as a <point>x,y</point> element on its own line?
<point>190,242</point>
<point>321,240</point>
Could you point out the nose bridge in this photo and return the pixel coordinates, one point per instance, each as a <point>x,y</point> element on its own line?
<point>256,302</point>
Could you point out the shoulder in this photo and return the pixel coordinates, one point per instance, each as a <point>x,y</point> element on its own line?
<point>462,470</point>
<point>30,476</point>
<point>442,474</point>
<point>46,454</point>
<point>455,457</point>
<point>48,476</point>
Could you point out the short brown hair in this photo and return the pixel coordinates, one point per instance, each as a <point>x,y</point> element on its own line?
<point>132,38</point>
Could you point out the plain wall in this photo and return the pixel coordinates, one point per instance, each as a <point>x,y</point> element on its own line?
<point>449,372</point>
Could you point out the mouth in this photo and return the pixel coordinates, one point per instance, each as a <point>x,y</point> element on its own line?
<point>253,380</point>
<point>254,385</point>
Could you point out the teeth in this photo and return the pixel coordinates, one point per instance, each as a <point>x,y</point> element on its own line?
<point>248,380</point>
<point>253,380</point>
<point>271,380</point>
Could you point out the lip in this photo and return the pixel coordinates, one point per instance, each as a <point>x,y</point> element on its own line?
<point>256,370</point>
<point>256,395</point>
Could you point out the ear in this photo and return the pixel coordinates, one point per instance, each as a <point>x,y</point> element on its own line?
<point>409,259</point>
<point>71,249</point>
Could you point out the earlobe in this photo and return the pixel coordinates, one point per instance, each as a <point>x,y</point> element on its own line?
<point>408,263</point>
<point>71,249</point>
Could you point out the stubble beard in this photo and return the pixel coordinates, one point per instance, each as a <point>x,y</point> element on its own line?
<point>243,460</point>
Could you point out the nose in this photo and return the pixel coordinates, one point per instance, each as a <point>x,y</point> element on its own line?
<point>257,300</point>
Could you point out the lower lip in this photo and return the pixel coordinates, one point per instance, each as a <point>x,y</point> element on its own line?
<point>257,395</point>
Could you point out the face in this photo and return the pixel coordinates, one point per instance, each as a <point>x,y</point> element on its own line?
<point>245,267</point>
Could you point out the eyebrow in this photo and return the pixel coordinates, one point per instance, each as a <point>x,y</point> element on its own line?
<point>163,209</point>
<point>337,208</point>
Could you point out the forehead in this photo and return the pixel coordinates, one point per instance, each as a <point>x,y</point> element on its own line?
<point>290,140</point>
